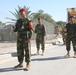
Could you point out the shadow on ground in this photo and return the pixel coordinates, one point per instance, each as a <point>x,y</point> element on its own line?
<point>14,54</point>
<point>9,69</point>
<point>50,58</point>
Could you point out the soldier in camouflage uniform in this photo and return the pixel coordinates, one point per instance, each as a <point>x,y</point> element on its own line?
<point>23,28</point>
<point>40,33</point>
<point>71,36</point>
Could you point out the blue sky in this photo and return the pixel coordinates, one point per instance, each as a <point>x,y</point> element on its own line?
<point>56,8</point>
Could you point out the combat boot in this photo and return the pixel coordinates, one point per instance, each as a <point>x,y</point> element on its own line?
<point>37,51</point>
<point>68,54</point>
<point>19,65</point>
<point>75,54</point>
<point>27,67</point>
<point>42,52</point>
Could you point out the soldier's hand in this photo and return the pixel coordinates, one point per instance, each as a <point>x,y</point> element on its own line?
<point>13,27</point>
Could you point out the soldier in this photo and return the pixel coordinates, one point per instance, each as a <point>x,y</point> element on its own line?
<point>71,36</point>
<point>40,33</point>
<point>23,28</point>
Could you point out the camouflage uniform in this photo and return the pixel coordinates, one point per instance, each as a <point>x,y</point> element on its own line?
<point>71,36</point>
<point>23,36</point>
<point>40,33</point>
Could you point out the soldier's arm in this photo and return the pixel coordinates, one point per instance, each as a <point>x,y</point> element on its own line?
<point>30,29</point>
<point>66,28</point>
<point>35,29</point>
<point>30,25</point>
<point>30,34</point>
<point>44,32</point>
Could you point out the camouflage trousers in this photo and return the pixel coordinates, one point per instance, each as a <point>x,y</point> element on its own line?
<point>70,39</point>
<point>40,40</point>
<point>23,48</point>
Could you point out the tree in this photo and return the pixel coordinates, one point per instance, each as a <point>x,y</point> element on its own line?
<point>37,14</point>
<point>44,16</point>
<point>61,23</point>
<point>16,14</point>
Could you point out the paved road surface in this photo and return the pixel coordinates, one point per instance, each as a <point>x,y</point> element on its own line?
<point>52,63</point>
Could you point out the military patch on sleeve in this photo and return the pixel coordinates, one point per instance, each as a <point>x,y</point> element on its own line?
<point>29,20</point>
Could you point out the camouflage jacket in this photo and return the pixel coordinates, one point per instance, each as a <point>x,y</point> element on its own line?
<point>22,26</point>
<point>40,29</point>
<point>71,29</point>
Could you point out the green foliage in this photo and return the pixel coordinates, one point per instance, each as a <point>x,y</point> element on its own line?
<point>36,15</point>
<point>16,14</point>
<point>61,23</point>
<point>44,16</point>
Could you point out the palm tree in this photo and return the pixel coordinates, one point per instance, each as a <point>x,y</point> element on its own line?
<point>16,14</point>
